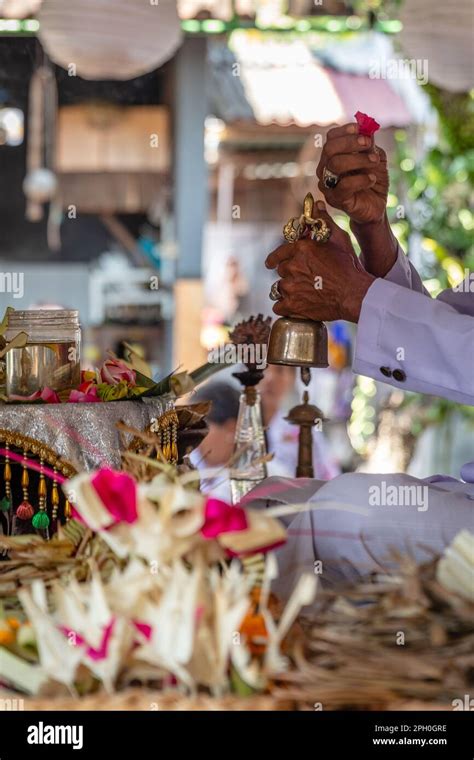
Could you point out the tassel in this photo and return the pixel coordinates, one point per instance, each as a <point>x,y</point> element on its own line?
<point>174,441</point>
<point>55,498</point>
<point>6,503</point>
<point>40,521</point>
<point>25,511</point>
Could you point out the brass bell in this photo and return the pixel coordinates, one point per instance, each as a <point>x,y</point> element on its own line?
<point>300,342</point>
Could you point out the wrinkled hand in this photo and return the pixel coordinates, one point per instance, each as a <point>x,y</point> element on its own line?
<point>320,281</point>
<point>362,167</point>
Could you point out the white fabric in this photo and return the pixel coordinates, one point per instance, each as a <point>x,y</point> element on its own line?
<point>431,340</point>
<point>350,544</point>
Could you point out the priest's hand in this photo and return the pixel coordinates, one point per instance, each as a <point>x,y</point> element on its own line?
<point>320,281</point>
<point>361,191</point>
<point>360,168</point>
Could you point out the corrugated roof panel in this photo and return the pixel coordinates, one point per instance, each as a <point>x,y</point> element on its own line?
<point>279,81</point>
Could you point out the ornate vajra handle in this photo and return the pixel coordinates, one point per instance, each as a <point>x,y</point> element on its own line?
<point>305,225</point>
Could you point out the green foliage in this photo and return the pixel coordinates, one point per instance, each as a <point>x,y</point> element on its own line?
<point>432,195</point>
<point>435,193</point>
<point>376,6</point>
<point>456,115</point>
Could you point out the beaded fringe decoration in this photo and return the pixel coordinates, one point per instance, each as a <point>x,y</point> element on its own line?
<point>166,429</point>
<point>25,510</point>
<point>49,467</point>
<point>41,519</point>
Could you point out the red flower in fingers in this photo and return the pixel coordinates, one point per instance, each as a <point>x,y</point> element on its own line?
<point>367,125</point>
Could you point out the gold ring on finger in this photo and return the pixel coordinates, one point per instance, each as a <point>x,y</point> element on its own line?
<point>330,179</point>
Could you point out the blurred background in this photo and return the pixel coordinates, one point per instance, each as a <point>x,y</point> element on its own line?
<point>150,152</point>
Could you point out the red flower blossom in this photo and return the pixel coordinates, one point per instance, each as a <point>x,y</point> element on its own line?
<point>220,517</point>
<point>367,125</point>
<point>118,493</point>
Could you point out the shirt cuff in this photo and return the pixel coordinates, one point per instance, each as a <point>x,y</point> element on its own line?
<point>372,312</point>
<point>400,273</point>
<point>369,355</point>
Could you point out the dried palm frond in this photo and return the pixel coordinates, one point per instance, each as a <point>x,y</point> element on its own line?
<point>31,558</point>
<point>384,644</point>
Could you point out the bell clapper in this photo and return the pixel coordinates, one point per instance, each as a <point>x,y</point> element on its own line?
<point>305,374</point>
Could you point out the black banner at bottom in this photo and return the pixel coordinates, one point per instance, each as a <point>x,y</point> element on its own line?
<point>118,734</point>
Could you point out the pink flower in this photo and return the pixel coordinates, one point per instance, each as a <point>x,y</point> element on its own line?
<point>367,125</point>
<point>117,492</point>
<point>46,394</point>
<point>113,371</point>
<point>49,396</point>
<point>220,517</point>
<point>87,392</point>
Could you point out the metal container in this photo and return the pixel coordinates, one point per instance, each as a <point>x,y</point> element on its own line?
<point>51,357</point>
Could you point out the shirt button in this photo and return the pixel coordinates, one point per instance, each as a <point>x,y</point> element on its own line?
<point>386,371</point>
<point>398,374</point>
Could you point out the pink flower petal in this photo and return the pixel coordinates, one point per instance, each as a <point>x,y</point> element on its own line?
<point>118,493</point>
<point>103,650</point>
<point>113,371</point>
<point>367,125</point>
<point>45,394</point>
<point>78,396</point>
<point>220,517</point>
<point>50,396</point>
<point>144,628</point>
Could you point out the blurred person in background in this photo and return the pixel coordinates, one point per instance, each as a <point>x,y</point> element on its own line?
<point>216,449</point>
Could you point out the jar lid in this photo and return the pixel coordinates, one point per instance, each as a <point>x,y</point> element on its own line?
<point>43,317</point>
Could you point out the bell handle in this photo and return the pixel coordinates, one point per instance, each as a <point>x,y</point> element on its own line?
<point>308,206</point>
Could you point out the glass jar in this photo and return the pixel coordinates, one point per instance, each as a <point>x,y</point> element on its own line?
<point>52,355</point>
<point>248,468</point>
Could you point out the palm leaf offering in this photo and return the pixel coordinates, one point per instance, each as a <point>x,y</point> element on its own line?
<point>31,558</point>
<point>402,641</point>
